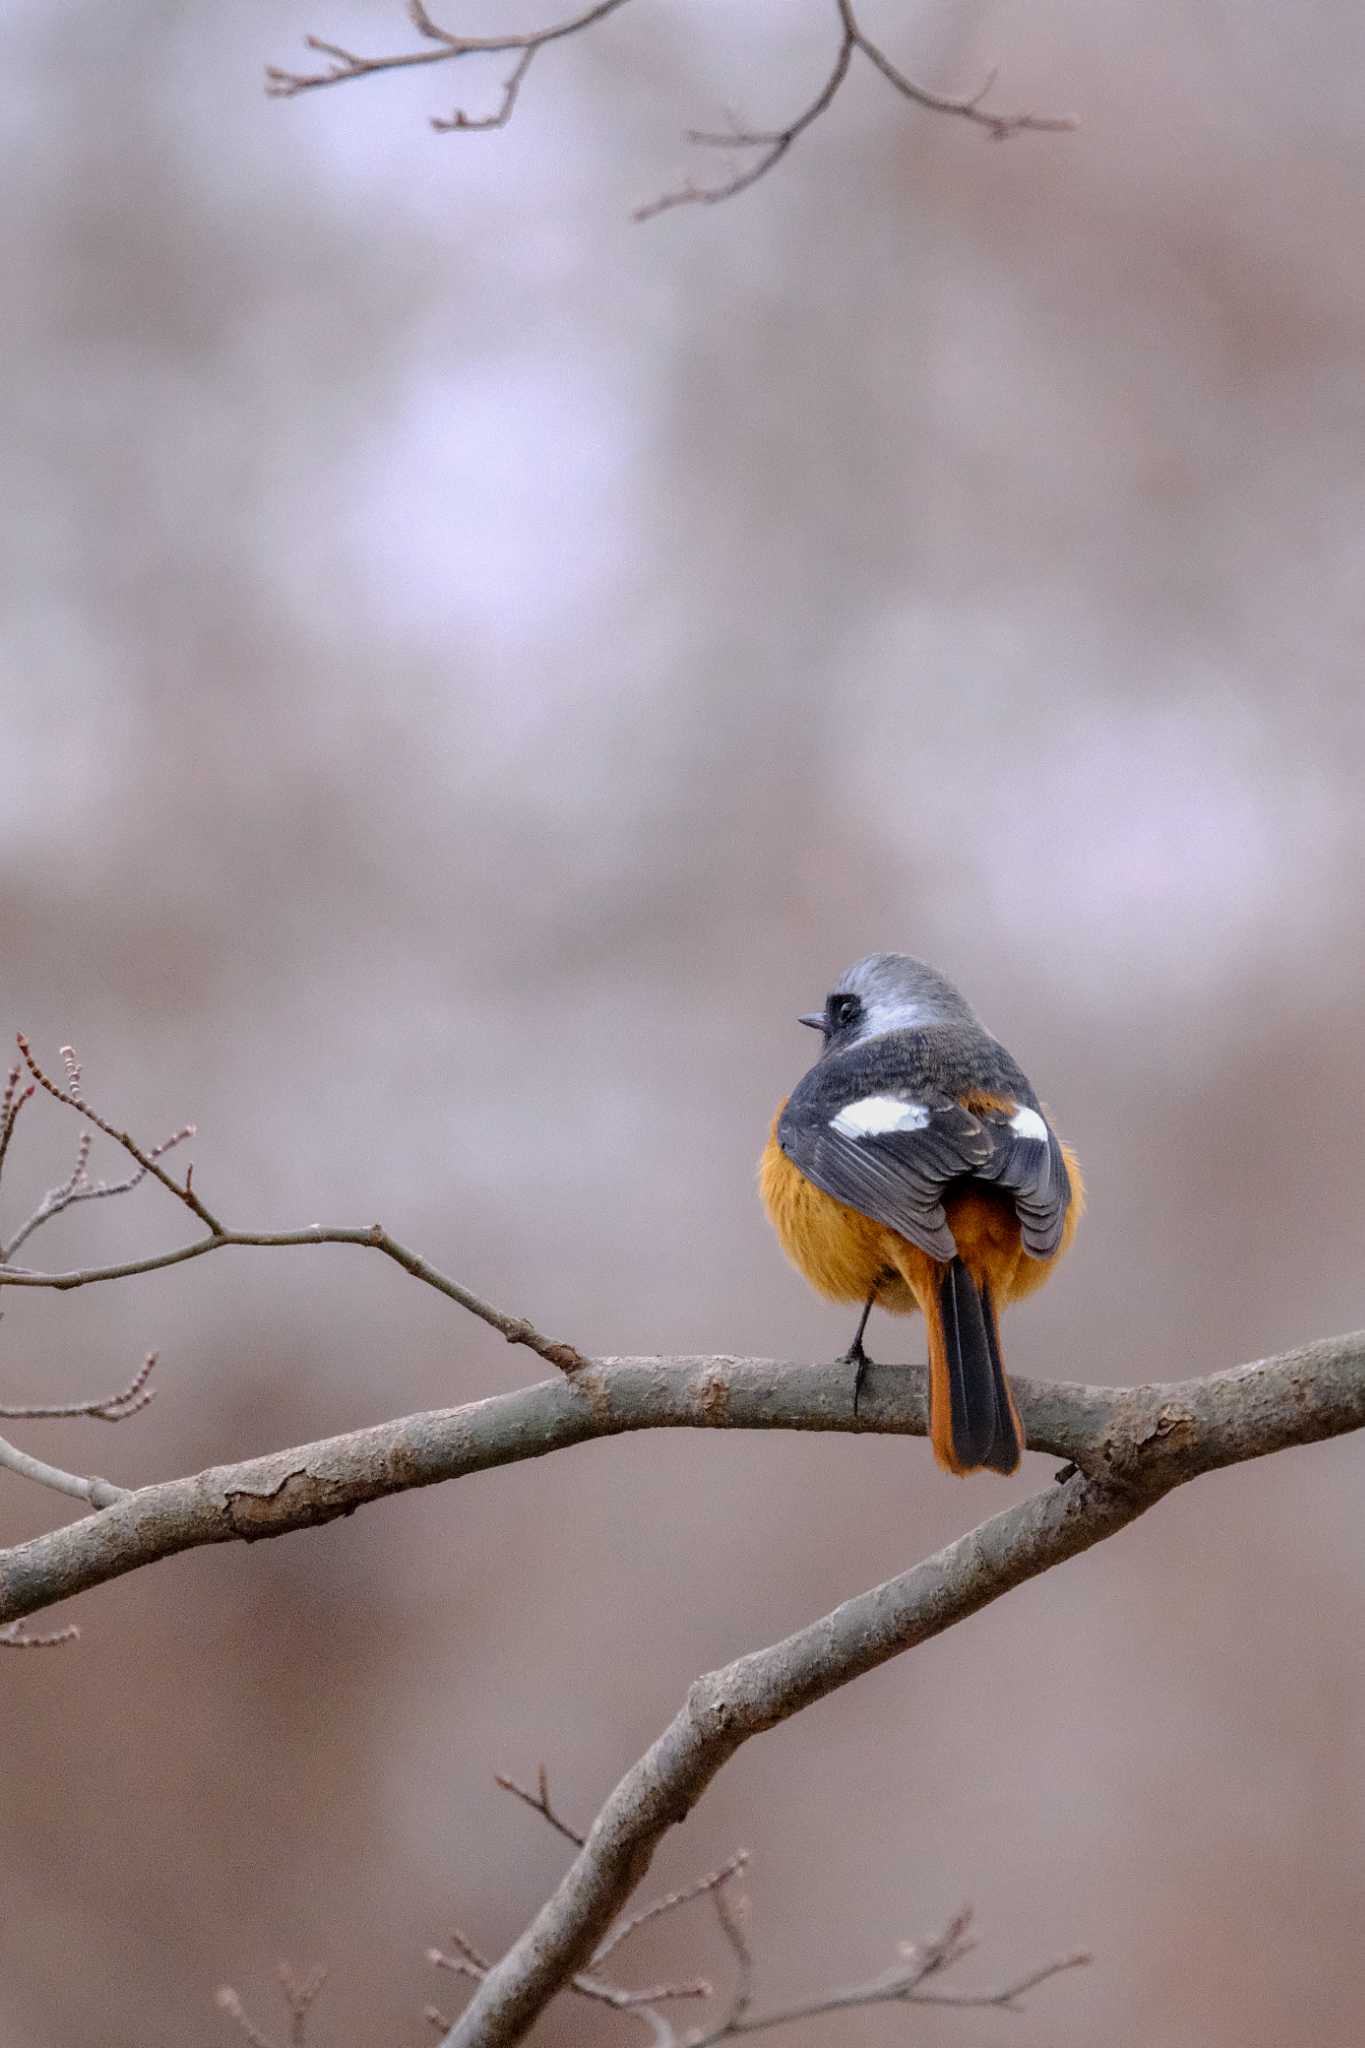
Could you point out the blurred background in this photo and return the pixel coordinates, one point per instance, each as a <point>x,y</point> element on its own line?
<point>475,669</point>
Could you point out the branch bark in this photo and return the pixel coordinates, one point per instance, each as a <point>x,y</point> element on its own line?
<point>1139,1441</point>
<point>1154,1439</point>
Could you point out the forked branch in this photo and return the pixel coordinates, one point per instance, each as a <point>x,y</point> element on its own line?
<point>763,148</point>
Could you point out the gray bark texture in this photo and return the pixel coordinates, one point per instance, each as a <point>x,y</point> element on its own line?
<point>1128,1447</point>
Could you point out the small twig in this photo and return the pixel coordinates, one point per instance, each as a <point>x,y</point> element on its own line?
<point>95,1492</point>
<point>81,1189</point>
<point>228,2002</point>
<point>347,64</point>
<point>714,1881</point>
<point>471,1960</point>
<point>732,1915</point>
<point>999,127</point>
<point>539,1802</point>
<point>146,1160</point>
<point>13,1638</point>
<point>651,1994</point>
<point>503,114</point>
<point>11,1102</point>
<point>900,1985</point>
<point>299,1995</point>
<point>773,144</point>
<point>108,1408</point>
<point>515,1329</point>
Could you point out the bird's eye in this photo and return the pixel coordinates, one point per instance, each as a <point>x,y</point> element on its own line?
<point>843,1010</point>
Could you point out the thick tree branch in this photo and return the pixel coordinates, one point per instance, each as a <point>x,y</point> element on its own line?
<point>1134,1443</point>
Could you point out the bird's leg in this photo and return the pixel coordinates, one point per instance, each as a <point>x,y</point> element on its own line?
<point>855,1354</point>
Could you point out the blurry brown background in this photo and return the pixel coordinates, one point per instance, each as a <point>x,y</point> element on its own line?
<point>475,670</point>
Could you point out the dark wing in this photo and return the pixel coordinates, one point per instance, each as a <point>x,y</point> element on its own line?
<point>892,1158</point>
<point>893,1172</point>
<point>1026,1160</point>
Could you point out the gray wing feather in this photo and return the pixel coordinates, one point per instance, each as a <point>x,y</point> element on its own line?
<point>898,1177</point>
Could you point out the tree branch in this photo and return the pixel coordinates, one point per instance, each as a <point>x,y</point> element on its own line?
<point>96,1493</point>
<point>515,1329</point>
<point>146,1160</point>
<point>1136,1442</point>
<point>346,64</point>
<point>771,144</point>
<point>117,1407</point>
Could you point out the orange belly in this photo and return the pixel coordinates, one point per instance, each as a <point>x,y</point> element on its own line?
<point>847,1256</point>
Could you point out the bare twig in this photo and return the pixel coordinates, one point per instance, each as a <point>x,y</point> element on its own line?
<point>968,106</point>
<point>96,1493</point>
<point>147,1161</point>
<point>347,64</point>
<point>470,1962</point>
<point>80,1188</point>
<point>228,2002</point>
<point>11,1102</point>
<point>515,1329</point>
<point>921,1964</point>
<point>501,114</point>
<point>539,1802</point>
<point>299,1995</point>
<point>715,1882</point>
<point>772,144</point>
<point>732,1914</point>
<point>14,1638</point>
<point>900,1985</point>
<point>107,1408</point>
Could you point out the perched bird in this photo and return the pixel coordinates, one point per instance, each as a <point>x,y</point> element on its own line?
<point>914,1167</point>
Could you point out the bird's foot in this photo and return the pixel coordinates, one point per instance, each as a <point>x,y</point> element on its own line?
<point>859,1360</point>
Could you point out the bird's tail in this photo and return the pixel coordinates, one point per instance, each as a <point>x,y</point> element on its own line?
<point>972,1417</point>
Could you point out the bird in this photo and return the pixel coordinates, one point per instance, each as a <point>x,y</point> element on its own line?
<point>914,1167</point>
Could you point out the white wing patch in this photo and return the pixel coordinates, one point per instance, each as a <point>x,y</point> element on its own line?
<point>875,1115</point>
<point>1026,1123</point>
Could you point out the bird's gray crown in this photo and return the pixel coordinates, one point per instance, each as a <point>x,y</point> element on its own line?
<point>895,992</point>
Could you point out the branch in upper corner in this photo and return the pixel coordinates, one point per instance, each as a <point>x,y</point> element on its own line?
<point>348,64</point>
<point>772,144</point>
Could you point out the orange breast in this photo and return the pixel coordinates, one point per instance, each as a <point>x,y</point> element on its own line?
<point>842,1253</point>
<point>845,1255</point>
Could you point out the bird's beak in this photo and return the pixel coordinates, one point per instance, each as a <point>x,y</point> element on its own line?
<point>816,1020</point>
